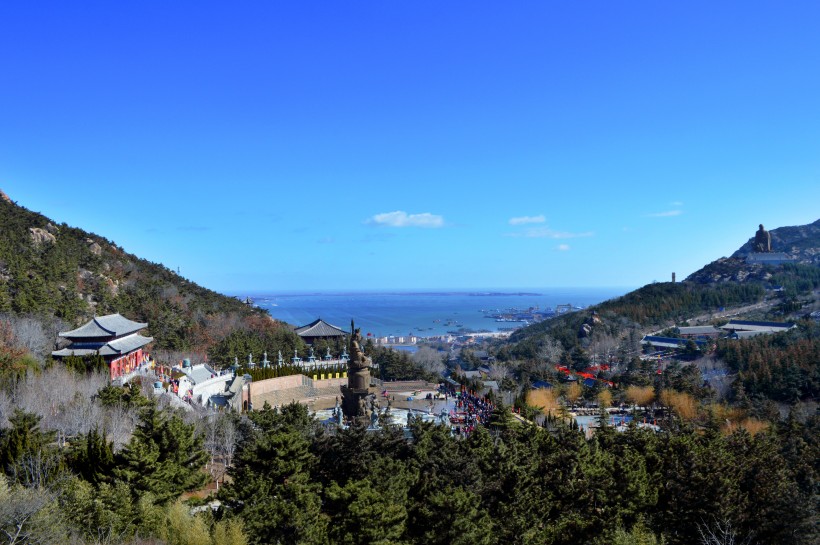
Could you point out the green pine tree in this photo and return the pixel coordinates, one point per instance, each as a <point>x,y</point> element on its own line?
<point>164,457</point>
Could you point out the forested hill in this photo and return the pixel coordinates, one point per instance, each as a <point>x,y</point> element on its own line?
<point>49,269</point>
<point>725,283</point>
<point>624,320</point>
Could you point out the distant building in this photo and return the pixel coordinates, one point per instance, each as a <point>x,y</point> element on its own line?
<point>669,342</point>
<point>736,326</point>
<point>745,334</point>
<point>113,337</point>
<point>319,329</point>
<point>769,258</point>
<point>700,332</point>
<point>491,385</point>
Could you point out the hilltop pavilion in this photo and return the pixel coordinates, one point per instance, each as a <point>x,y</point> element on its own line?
<point>113,337</point>
<point>319,329</point>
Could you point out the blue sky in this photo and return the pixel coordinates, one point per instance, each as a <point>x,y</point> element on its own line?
<point>385,145</point>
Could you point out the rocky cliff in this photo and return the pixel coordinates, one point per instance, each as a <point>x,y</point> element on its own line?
<point>801,243</point>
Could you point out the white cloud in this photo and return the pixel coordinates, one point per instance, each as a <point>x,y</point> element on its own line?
<point>527,219</point>
<point>562,247</point>
<point>676,203</point>
<point>400,218</point>
<point>667,214</point>
<point>546,232</point>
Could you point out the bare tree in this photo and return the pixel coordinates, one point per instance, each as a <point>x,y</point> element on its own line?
<point>55,392</point>
<point>29,515</point>
<point>549,350</point>
<point>720,533</point>
<point>35,334</point>
<point>220,436</point>
<point>7,407</point>
<point>429,359</point>
<point>37,469</point>
<point>498,372</point>
<point>118,424</point>
<point>602,347</point>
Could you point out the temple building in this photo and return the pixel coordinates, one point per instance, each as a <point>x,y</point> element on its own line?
<point>319,329</point>
<point>113,337</point>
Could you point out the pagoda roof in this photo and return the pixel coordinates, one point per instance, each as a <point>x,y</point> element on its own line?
<point>320,328</point>
<point>111,325</point>
<point>117,347</point>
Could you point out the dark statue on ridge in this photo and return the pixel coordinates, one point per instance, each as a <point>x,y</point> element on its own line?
<point>355,395</point>
<point>763,241</point>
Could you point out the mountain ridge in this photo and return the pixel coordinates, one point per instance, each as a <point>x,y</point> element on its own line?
<point>801,243</point>
<point>53,270</point>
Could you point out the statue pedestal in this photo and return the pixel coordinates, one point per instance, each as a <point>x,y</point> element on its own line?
<point>352,401</point>
<point>768,258</point>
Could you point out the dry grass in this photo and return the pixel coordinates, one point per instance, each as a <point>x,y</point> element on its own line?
<point>573,392</point>
<point>605,399</point>
<point>640,395</point>
<point>751,425</point>
<point>546,399</point>
<point>683,404</point>
<point>723,412</point>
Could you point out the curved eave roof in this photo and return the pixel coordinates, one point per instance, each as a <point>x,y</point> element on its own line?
<point>111,325</point>
<point>116,347</point>
<point>320,328</point>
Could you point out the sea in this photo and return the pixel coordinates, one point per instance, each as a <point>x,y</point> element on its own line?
<point>423,313</point>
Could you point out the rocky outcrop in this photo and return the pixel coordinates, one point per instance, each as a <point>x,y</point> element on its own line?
<point>801,243</point>
<point>4,197</point>
<point>589,324</point>
<point>729,269</point>
<point>93,247</point>
<point>41,236</point>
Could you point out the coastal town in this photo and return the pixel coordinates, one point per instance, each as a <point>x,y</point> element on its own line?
<point>728,367</point>
<point>419,273</point>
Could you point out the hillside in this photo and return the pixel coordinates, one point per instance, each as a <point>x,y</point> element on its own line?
<point>728,285</point>
<point>801,243</point>
<point>51,270</point>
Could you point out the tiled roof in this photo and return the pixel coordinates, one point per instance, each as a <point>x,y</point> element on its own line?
<point>753,323</point>
<point>746,334</point>
<point>200,373</point>
<point>116,347</point>
<point>698,330</point>
<point>669,341</point>
<point>112,325</point>
<point>320,328</point>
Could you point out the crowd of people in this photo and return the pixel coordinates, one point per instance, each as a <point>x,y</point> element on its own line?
<point>470,409</point>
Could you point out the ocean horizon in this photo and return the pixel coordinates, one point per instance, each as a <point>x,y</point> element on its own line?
<point>422,313</point>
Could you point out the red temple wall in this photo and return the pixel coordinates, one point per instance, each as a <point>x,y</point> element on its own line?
<point>125,364</point>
